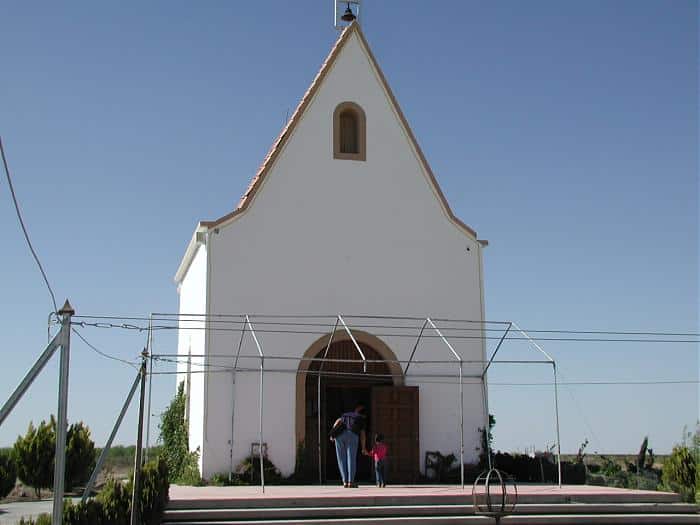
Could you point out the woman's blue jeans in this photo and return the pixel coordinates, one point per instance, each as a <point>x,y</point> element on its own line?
<point>346,451</point>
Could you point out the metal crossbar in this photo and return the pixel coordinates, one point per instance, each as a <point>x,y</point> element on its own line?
<point>427,323</point>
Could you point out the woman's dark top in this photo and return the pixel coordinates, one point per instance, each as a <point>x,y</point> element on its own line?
<point>353,421</point>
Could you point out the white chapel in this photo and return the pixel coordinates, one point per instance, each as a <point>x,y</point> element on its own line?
<point>330,266</point>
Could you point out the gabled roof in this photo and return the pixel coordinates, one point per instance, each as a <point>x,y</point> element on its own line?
<point>280,141</point>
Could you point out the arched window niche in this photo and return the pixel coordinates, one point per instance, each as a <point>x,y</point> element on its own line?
<point>349,132</point>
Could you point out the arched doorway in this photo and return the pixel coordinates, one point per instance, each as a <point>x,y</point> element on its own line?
<point>343,383</point>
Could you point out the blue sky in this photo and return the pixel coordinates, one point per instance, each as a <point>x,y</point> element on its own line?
<point>566,133</point>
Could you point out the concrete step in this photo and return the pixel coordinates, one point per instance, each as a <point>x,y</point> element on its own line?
<point>554,519</point>
<point>181,515</point>
<point>464,498</point>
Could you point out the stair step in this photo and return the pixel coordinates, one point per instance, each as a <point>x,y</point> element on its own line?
<point>554,519</point>
<point>361,500</point>
<point>417,511</point>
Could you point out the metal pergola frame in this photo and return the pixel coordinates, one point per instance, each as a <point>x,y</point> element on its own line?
<point>428,322</point>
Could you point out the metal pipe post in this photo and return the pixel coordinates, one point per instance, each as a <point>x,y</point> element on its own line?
<point>487,424</point>
<point>233,401</point>
<point>461,397</point>
<point>150,384</point>
<point>461,426</point>
<point>318,421</point>
<point>136,495</point>
<point>262,387</point>
<point>108,445</point>
<point>556,412</point>
<point>318,401</point>
<point>59,473</point>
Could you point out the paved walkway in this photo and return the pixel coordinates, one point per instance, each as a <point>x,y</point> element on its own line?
<point>11,513</point>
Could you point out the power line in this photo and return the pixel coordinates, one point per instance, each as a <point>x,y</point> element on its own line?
<point>435,378</point>
<point>236,319</point>
<point>125,326</point>
<point>359,375</point>
<point>100,352</point>
<point>24,228</point>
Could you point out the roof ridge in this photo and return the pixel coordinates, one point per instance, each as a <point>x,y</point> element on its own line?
<point>272,152</point>
<point>276,147</point>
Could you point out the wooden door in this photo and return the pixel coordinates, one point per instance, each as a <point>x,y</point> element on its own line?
<point>395,414</point>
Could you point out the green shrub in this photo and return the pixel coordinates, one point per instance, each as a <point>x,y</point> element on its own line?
<point>112,504</point>
<point>249,469</point>
<point>88,513</point>
<point>679,472</point>
<point>8,473</point>
<point>154,491</point>
<point>223,479</point>
<point>34,455</point>
<point>116,500</point>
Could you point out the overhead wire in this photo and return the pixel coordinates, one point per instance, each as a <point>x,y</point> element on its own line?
<point>24,228</point>
<point>127,326</point>
<point>370,375</point>
<point>231,319</point>
<point>101,353</point>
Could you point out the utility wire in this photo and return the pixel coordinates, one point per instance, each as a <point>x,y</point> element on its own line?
<point>138,328</point>
<point>236,320</point>
<point>103,354</point>
<point>24,228</point>
<point>369,375</point>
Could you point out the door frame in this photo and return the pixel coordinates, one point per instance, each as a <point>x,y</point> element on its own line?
<point>318,346</point>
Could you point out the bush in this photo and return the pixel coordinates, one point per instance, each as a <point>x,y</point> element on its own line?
<point>8,474</point>
<point>249,469</point>
<point>154,491</point>
<point>223,479</point>
<point>539,469</point>
<point>679,473</point>
<point>115,499</point>
<point>34,455</point>
<point>112,504</point>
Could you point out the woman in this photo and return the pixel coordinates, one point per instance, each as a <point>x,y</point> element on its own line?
<point>347,441</point>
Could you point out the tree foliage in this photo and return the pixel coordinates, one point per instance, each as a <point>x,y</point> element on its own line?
<point>81,455</point>
<point>34,455</point>
<point>8,473</point>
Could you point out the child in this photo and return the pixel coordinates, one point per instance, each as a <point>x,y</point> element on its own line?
<point>378,453</point>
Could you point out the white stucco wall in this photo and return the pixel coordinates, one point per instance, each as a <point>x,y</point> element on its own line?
<point>337,236</point>
<point>191,342</point>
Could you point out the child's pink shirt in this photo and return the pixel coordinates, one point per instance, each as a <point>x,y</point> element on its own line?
<point>379,451</point>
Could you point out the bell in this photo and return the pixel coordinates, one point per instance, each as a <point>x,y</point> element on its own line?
<point>348,16</point>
